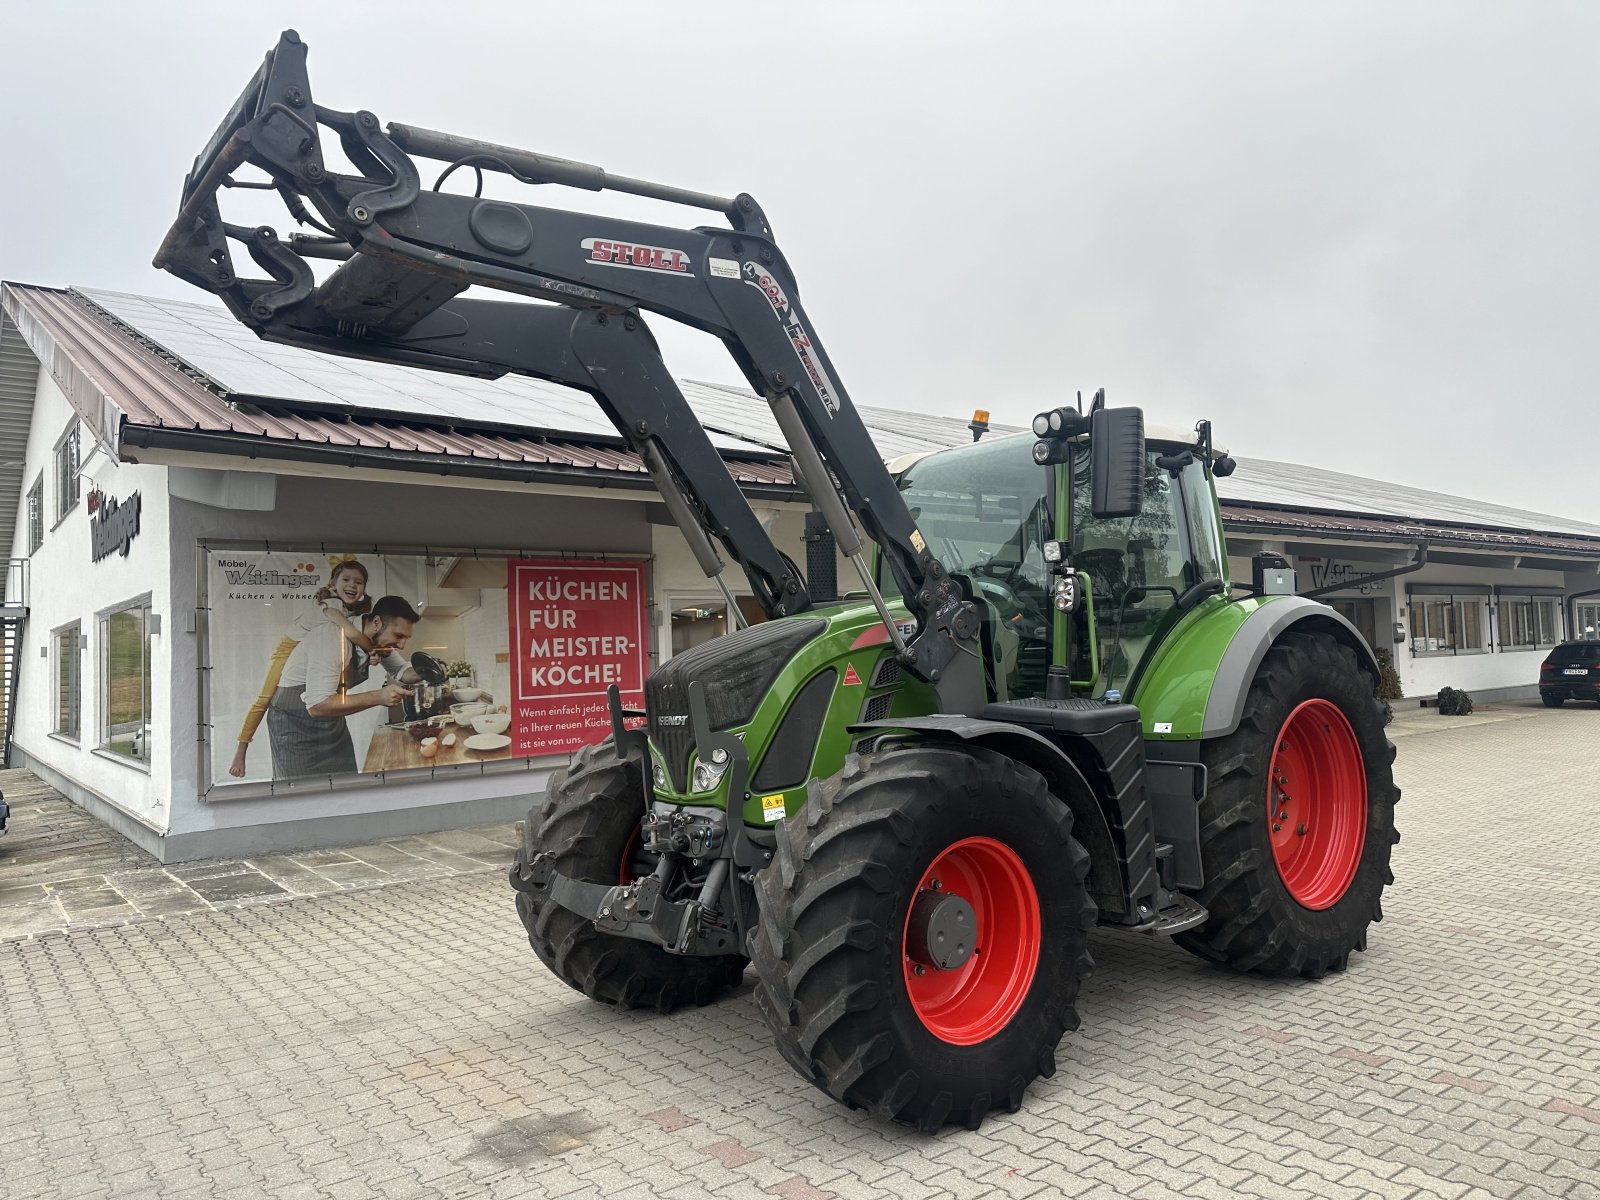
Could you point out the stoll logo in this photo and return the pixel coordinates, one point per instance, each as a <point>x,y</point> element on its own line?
<point>112,526</point>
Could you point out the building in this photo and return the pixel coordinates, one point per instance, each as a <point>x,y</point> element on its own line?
<point>182,493</point>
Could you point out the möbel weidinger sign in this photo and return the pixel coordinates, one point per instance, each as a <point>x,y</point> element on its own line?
<point>577,627</point>
<point>112,526</point>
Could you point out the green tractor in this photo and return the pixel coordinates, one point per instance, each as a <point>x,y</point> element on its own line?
<point>1048,707</point>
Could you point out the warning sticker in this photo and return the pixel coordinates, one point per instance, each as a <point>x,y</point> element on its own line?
<point>851,679</point>
<point>723,268</point>
<point>1163,727</point>
<point>918,541</point>
<point>772,808</point>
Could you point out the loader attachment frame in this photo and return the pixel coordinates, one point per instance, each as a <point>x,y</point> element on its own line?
<point>405,254</point>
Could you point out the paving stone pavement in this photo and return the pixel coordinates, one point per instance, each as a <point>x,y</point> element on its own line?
<point>60,870</point>
<point>402,1041</point>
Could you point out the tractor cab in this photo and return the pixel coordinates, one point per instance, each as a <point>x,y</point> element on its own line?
<point>991,512</point>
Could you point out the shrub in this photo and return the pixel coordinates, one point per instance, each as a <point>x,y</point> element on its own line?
<point>1388,677</point>
<point>1453,702</point>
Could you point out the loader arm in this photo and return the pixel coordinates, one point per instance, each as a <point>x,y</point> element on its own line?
<point>405,254</point>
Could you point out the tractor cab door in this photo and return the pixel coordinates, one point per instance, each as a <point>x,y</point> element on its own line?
<point>985,514</point>
<point>1136,568</point>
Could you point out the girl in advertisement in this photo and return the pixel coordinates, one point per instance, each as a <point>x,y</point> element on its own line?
<point>344,601</point>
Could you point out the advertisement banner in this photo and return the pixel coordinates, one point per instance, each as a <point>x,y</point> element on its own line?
<point>329,663</point>
<point>577,628</point>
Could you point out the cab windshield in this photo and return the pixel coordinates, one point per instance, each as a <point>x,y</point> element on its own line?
<point>984,511</point>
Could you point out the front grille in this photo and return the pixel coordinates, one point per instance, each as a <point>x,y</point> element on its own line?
<point>735,672</point>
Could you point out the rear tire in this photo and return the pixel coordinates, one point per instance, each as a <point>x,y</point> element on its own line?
<point>833,948</point>
<point>1296,902</point>
<point>1552,701</point>
<point>589,819</point>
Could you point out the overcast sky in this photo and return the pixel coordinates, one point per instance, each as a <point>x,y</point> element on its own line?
<point>1359,236</point>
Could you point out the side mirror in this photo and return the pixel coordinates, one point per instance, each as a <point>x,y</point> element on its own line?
<point>1116,462</point>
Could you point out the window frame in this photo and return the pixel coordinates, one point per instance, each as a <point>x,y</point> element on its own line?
<point>1457,604</point>
<point>103,745</point>
<point>35,502</point>
<point>73,735</point>
<point>72,437</point>
<point>1506,604</point>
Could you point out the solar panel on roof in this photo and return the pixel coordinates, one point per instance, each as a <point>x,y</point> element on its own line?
<point>212,342</point>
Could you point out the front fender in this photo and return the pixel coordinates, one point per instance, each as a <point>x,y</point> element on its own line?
<point>1196,685</point>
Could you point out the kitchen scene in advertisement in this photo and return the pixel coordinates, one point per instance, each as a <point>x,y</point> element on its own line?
<point>330,663</point>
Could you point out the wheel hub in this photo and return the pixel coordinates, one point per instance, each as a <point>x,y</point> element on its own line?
<point>942,931</point>
<point>1317,804</point>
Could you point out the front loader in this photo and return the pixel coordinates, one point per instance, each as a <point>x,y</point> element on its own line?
<point>1046,708</point>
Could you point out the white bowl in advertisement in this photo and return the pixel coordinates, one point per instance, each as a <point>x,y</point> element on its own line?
<point>491,722</point>
<point>464,713</point>
<point>469,693</point>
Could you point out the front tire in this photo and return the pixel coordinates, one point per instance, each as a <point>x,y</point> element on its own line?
<point>1552,701</point>
<point>589,819</point>
<point>1298,821</point>
<point>847,969</point>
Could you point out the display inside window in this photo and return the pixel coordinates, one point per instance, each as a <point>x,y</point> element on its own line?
<point>1529,622</point>
<point>68,680</point>
<point>125,676</point>
<point>331,663</point>
<point>1447,625</point>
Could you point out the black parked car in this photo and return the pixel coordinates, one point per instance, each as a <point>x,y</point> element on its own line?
<point>1571,672</point>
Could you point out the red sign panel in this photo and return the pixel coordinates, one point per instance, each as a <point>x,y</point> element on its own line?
<point>576,628</point>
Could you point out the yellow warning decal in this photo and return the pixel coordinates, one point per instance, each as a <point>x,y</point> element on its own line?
<point>772,807</point>
<point>918,542</point>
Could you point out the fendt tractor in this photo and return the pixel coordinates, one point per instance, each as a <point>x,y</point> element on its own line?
<point>1046,708</point>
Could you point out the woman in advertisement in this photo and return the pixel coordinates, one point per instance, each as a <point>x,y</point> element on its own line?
<point>343,601</point>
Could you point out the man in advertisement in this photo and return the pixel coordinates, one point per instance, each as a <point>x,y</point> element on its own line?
<point>306,721</point>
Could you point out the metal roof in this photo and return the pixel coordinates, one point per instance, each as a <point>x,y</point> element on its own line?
<point>19,376</point>
<point>212,342</point>
<point>171,366</point>
<point>1260,481</point>
<point>154,391</point>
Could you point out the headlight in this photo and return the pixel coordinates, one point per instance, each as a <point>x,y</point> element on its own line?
<point>708,772</point>
<point>1065,594</point>
<point>658,774</point>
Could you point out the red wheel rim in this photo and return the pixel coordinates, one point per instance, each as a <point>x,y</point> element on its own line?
<point>1317,804</point>
<point>976,1000</point>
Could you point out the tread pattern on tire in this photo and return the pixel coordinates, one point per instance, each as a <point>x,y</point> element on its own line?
<point>585,819</point>
<point>826,962</point>
<point>1255,925</point>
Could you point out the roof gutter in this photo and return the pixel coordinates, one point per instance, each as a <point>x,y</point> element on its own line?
<point>200,441</point>
<point>1415,564</point>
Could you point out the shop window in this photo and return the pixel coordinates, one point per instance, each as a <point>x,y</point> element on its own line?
<point>1586,623</point>
<point>67,663</point>
<point>1447,625</point>
<point>68,460</point>
<point>1529,622</point>
<point>125,676</point>
<point>36,514</point>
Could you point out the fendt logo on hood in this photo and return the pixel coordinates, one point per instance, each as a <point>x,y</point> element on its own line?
<point>663,260</point>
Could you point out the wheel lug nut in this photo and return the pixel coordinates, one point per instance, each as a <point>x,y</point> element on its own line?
<point>937,884</point>
<point>1276,827</point>
<point>1301,829</point>
<point>919,969</point>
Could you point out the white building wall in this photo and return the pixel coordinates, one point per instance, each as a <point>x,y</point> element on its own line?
<point>65,586</point>
<point>1496,669</point>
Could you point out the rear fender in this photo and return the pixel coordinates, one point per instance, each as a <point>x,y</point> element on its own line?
<point>1196,686</point>
<point>1066,782</point>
